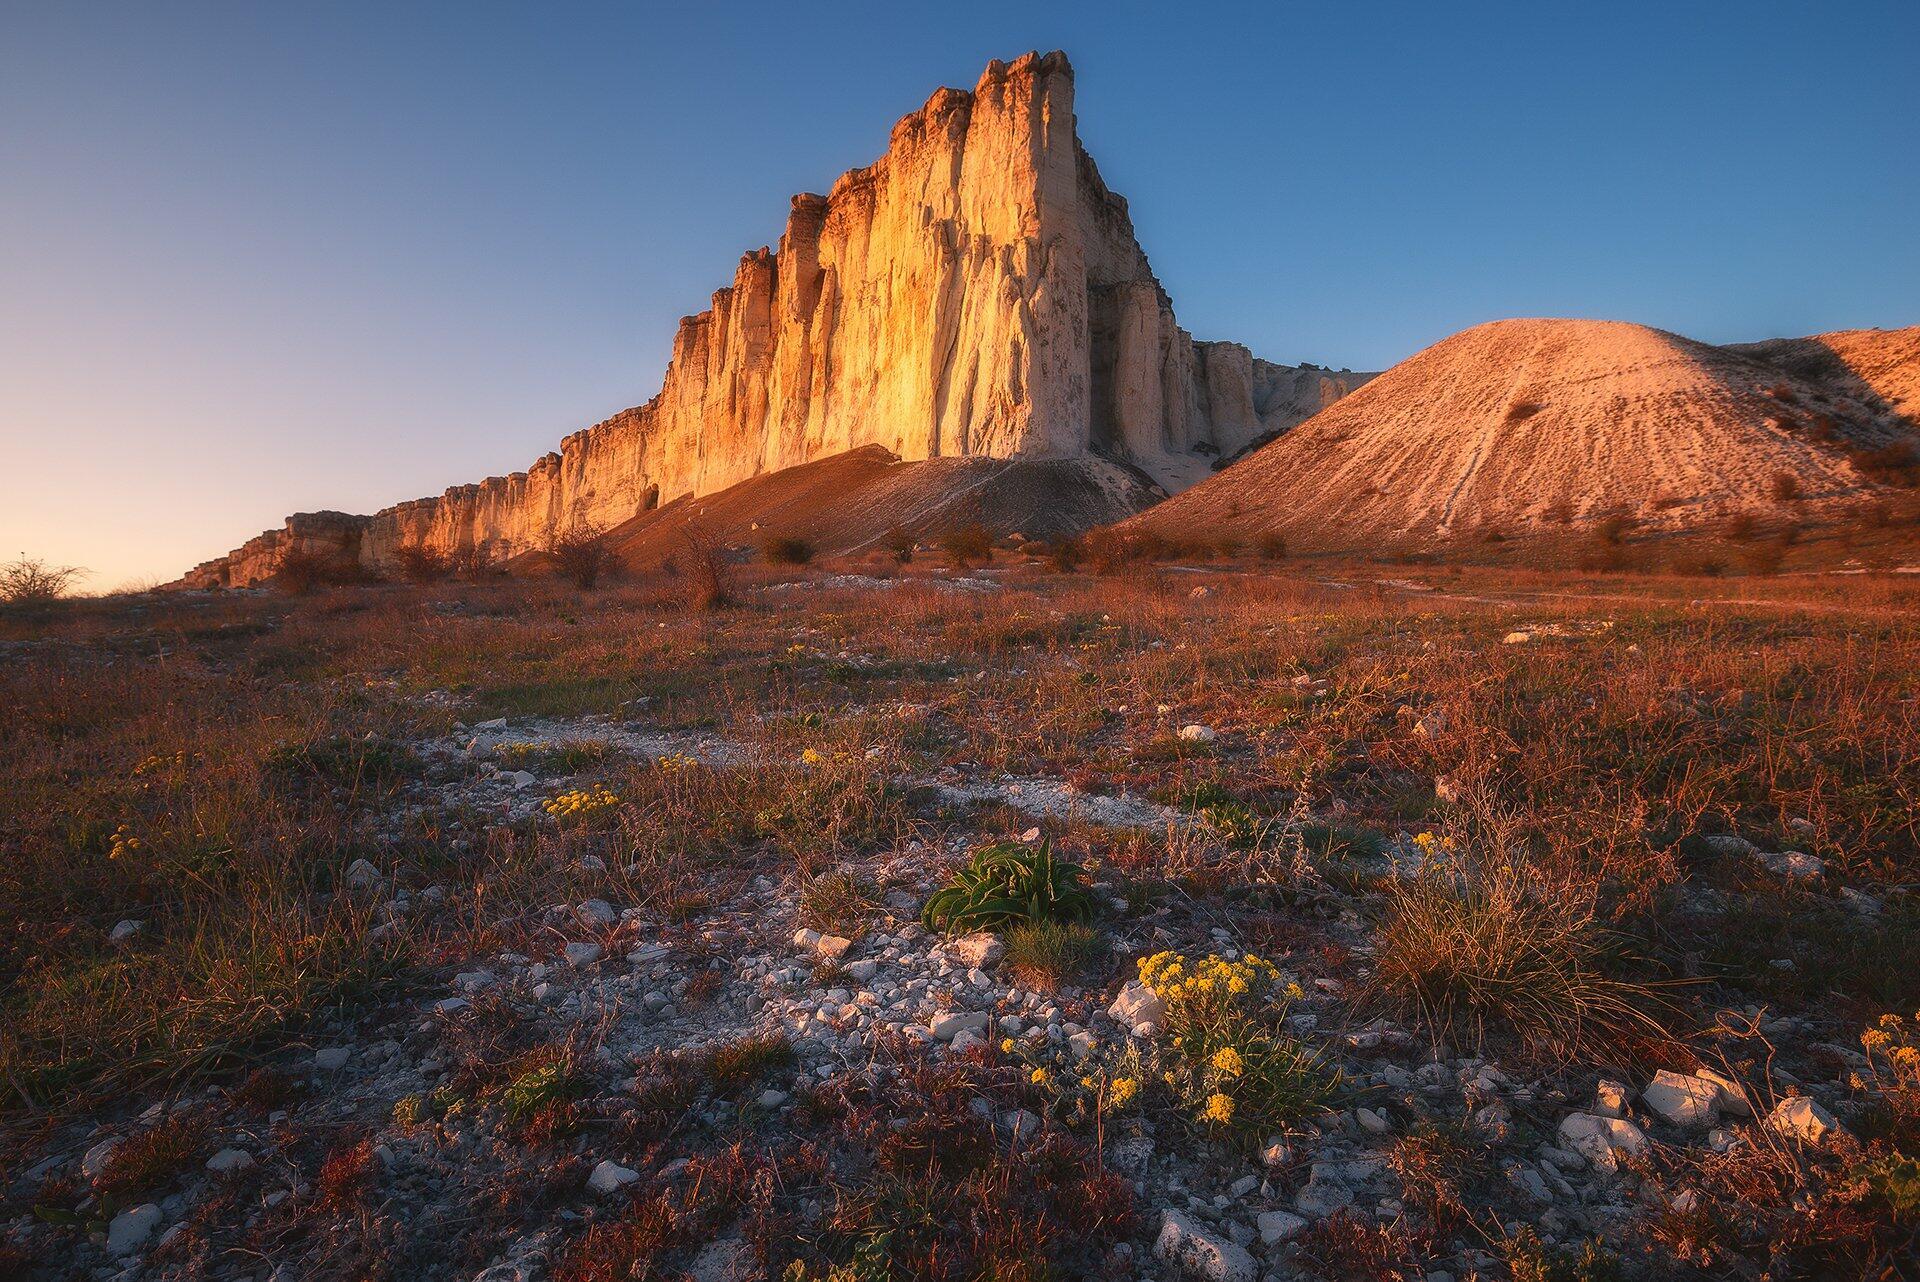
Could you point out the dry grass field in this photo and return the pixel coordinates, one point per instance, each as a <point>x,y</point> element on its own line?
<point>1310,920</point>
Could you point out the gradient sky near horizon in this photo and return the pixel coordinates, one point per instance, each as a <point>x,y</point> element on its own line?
<point>266,258</point>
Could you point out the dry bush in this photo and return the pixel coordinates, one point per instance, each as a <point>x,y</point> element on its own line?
<point>1894,464</point>
<point>1742,526</point>
<point>301,571</point>
<point>1520,411</point>
<point>1614,527</point>
<point>581,554</point>
<point>1560,511</point>
<point>1482,942</point>
<point>967,545</point>
<point>705,573</point>
<point>1064,554</point>
<point>1783,487</point>
<point>1272,546</point>
<point>786,549</point>
<point>29,581</point>
<point>418,563</point>
<point>900,544</point>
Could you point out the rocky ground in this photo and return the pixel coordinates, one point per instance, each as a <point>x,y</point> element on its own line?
<point>658,1000</point>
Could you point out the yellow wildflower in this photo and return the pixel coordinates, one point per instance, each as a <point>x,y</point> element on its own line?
<point>1227,1060</point>
<point>1040,1077</point>
<point>1123,1091</point>
<point>1006,1046</point>
<point>1219,1108</point>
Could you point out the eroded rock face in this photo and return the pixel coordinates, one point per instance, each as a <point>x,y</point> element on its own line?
<point>977,291</point>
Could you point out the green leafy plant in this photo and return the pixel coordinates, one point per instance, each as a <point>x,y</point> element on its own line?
<point>1010,882</point>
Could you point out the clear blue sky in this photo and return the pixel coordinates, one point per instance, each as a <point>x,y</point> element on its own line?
<point>259,258</point>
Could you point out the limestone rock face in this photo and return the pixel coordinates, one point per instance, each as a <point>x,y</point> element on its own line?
<point>975,292</point>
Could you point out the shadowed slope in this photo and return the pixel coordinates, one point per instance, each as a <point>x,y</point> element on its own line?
<point>849,503</point>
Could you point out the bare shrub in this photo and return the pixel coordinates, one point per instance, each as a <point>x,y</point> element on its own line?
<point>1560,511</point>
<point>967,545</point>
<point>1742,526</point>
<point>1614,527</point>
<point>1272,546</point>
<point>1783,487</point>
<point>1064,554</point>
<point>900,544</point>
<point>418,563</point>
<point>786,549</point>
<point>300,571</point>
<point>704,571</point>
<point>581,553</point>
<point>1895,464</point>
<point>30,581</point>
<point>1519,411</point>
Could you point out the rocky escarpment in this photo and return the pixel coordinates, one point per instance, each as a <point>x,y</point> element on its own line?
<point>976,292</point>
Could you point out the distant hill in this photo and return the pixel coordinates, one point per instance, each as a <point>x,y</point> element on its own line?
<point>1524,426</point>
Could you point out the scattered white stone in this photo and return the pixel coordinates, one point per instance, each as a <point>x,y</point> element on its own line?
<point>1372,1122</point>
<point>1683,1099</point>
<point>1610,1098</point>
<point>979,950</point>
<point>123,931</point>
<point>1794,865</point>
<point>771,1098</point>
<point>362,875</point>
<point>1278,1226</point>
<point>599,912</point>
<point>332,1059</point>
<point>1733,1096</point>
<point>521,779</point>
<point>1139,1009</point>
<point>95,1159</point>
<point>1082,1044</point>
<point>609,1177</point>
<point>230,1161</point>
<point>945,1027</point>
<point>498,723</point>
<point>1602,1141</point>
<point>582,954</point>
<point>1323,1193</point>
<point>1516,638</point>
<point>1276,1153</point>
<point>131,1228</point>
<point>450,1005</point>
<point>1195,1251</point>
<point>1197,733</point>
<point>1800,1117</point>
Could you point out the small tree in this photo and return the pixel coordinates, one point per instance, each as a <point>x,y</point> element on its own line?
<point>31,581</point>
<point>1273,546</point>
<point>1784,487</point>
<point>581,553</point>
<point>900,544</point>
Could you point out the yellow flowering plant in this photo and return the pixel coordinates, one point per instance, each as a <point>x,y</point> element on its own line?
<point>581,803</point>
<point>1893,1061</point>
<point>1224,1057</point>
<point>1078,1090</point>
